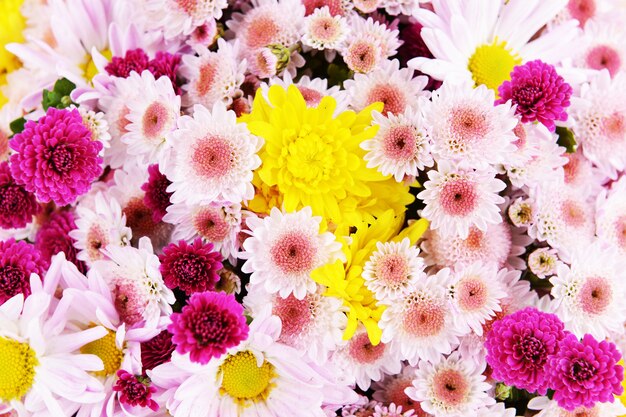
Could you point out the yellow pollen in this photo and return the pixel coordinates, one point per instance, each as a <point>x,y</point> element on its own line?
<point>89,67</point>
<point>491,64</point>
<point>107,350</point>
<point>244,381</point>
<point>17,364</point>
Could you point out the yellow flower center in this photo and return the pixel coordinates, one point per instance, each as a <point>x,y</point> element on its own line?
<point>107,350</point>
<point>244,381</point>
<point>17,362</point>
<point>12,23</point>
<point>492,64</point>
<point>310,158</point>
<point>89,67</point>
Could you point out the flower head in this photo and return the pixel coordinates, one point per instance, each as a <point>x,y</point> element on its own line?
<point>55,157</point>
<point>54,237</point>
<point>17,206</point>
<point>208,326</point>
<point>539,93</point>
<point>157,350</point>
<point>191,268</point>
<point>520,345</point>
<point>135,390</point>
<point>585,372</point>
<point>17,261</point>
<point>157,198</point>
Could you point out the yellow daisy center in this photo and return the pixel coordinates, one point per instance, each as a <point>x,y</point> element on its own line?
<point>310,158</point>
<point>89,67</point>
<point>107,350</point>
<point>12,23</point>
<point>491,64</point>
<point>243,380</point>
<point>18,362</point>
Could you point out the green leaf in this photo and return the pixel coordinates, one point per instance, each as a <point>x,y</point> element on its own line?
<point>59,97</point>
<point>566,139</point>
<point>64,87</point>
<point>17,125</point>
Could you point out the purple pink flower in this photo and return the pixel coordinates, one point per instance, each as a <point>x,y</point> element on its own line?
<point>17,206</point>
<point>163,64</point>
<point>539,93</point>
<point>17,261</point>
<point>157,350</point>
<point>156,198</point>
<point>135,390</point>
<point>55,157</point>
<point>53,237</point>
<point>520,345</point>
<point>585,372</point>
<point>208,325</point>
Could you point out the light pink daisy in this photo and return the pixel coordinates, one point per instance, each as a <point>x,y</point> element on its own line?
<point>284,248</point>
<point>213,158</point>
<point>324,32</point>
<point>543,262</point>
<point>181,17</point>
<point>603,47</point>
<point>391,389</point>
<point>611,215</point>
<point>458,198</point>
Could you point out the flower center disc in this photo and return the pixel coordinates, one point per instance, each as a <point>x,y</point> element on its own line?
<point>18,362</point>
<point>106,349</point>
<point>492,64</point>
<point>243,380</point>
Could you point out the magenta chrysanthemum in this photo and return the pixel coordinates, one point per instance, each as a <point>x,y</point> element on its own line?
<point>166,64</point>
<point>538,91</point>
<point>520,345</point>
<point>157,350</point>
<point>17,206</point>
<point>191,268</point>
<point>156,198</point>
<point>55,157</point>
<point>208,325</point>
<point>135,390</point>
<point>585,372</point>
<point>53,237</point>
<point>134,60</point>
<point>17,261</point>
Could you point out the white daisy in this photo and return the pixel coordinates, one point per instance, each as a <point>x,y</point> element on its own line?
<point>453,387</point>
<point>152,116</point>
<point>485,47</point>
<point>611,215</point>
<point>543,262</point>
<point>181,17</point>
<point>212,77</point>
<point>213,158</point>
<point>475,292</point>
<point>602,46</point>
<point>389,84</point>
<point>457,198</point>
<point>283,249</point>
<point>421,323</point>
<point>467,126</point>
<point>43,372</point>
<point>550,408</point>
<point>135,282</point>
<point>387,38</point>
<point>401,146</point>
<point>589,293</point>
<point>97,125</point>
<point>323,31</point>
<point>393,269</point>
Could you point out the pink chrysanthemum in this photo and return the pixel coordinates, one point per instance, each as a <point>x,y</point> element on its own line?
<point>520,345</point>
<point>156,198</point>
<point>17,261</point>
<point>585,372</point>
<point>17,206</point>
<point>192,268</point>
<point>135,390</point>
<point>208,325</point>
<point>539,93</point>
<point>157,350</point>
<point>55,157</point>
<point>53,237</point>
<point>134,60</point>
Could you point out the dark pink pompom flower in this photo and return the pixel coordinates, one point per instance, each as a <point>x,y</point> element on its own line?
<point>134,60</point>
<point>17,261</point>
<point>157,198</point>
<point>156,351</point>
<point>17,206</point>
<point>208,325</point>
<point>519,346</point>
<point>55,157</point>
<point>539,93</point>
<point>585,372</point>
<point>53,237</point>
<point>191,268</point>
<point>166,64</point>
<point>135,390</point>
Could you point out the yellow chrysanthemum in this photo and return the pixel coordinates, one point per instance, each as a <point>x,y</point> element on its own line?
<point>312,158</point>
<point>345,281</point>
<point>12,24</point>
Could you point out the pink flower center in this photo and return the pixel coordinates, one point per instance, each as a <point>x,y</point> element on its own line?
<point>134,390</point>
<point>210,326</point>
<point>573,214</point>
<point>188,6</point>
<point>206,78</point>
<point>392,269</point>
<point>311,96</point>
<point>580,370</point>
<point>96,239</point>
<point>472,293</point>
<point>532,350</point>
<point>325,29</point>
<point>614,126</point>
<point>400,143</point>
<point>61,158</point>
<point>394,393</point>
<point>582,10</point>
<point>211,224</point>
<point>458,197</point>
<point>212,157</point>
<point>390,95</point>
<point>424,318</point>
<point>155,120</point>
<point>294,314</point>
<point>520,133</point>
<point>474,239</point>
<point>620,231</point>
<point>572,168</point>
<point>362,56</point>
<point>581,411</point>
<point>450,387</point>
<point>129,300</point>
<point>362,351</point>
<point>595,295</point>
<point>293,253</point>
<point>467,124</point>
<point>604,56</point>
<point>262,31</point>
